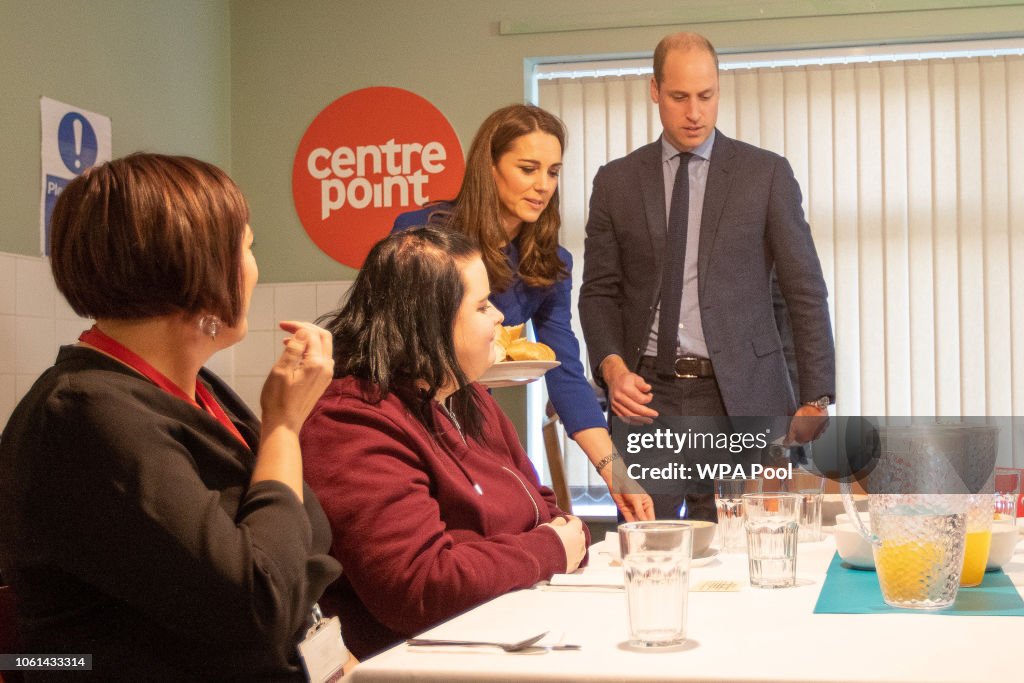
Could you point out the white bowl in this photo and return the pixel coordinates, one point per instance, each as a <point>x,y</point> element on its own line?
<point>843,518</point>
<point>703,534</point>
<point>611,546</point>
<point>1004,541</point>
<point>832,507</point>
<point>854,549</point>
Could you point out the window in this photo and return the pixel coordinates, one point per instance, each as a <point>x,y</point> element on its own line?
<point>911,160</point>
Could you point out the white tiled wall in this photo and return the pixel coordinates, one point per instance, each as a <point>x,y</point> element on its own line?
<point>254,355</point>
<point>35,321</point>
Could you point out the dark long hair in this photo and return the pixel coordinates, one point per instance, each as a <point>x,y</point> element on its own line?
<point>477,210</point>
<point>395,330</point>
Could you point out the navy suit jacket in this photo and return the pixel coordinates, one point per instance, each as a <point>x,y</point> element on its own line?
<point>752,222</point>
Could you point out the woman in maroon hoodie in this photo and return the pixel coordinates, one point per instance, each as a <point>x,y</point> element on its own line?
<point>433,503</point>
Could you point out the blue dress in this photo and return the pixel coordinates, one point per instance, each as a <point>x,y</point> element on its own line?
<point>550,309</point>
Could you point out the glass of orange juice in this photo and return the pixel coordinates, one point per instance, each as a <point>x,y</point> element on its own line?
<point>979,508</point>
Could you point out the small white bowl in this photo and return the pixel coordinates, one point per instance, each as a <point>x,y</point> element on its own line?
<point>854,549</point>
<point>843,518</point>
<point>611,546</point>
<point>1004,541</point>
<point>832,507</point>
<point>703,534</point>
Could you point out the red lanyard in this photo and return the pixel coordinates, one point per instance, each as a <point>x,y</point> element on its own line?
<point>97,339</point>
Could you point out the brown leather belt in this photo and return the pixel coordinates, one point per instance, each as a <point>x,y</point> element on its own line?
<point>693,367</point>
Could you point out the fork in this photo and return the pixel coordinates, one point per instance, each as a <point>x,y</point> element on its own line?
<point>507,647</point>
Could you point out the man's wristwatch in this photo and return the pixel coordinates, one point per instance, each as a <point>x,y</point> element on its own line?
<point>821,403</point>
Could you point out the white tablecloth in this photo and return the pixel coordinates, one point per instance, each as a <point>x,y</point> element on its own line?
<point>750,635</point>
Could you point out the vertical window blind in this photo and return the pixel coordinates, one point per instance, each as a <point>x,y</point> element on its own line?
<point>913,179</point>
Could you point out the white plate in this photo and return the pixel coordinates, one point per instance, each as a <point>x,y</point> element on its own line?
<point>515,372</point>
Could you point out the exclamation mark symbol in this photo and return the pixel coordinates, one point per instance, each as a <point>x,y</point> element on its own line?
<point>76,131</point>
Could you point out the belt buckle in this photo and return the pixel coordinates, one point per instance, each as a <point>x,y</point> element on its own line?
<point>686,360</point>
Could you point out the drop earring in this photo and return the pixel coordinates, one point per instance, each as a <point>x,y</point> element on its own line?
<point>209,325</point>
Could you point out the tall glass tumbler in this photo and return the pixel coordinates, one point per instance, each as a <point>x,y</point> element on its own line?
<point>772,523</point>
<point>811,489</point>
<point>1007,486</point>
<point>729,506</point>
<point>978,540</point>
<point>656,563</point>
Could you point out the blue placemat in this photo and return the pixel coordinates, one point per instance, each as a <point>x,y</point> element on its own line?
<point>856,591</point>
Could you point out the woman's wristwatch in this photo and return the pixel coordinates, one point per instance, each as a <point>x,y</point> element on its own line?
<point>605,460</point>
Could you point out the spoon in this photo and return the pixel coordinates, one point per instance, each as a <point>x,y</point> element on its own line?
<point>507,647</point>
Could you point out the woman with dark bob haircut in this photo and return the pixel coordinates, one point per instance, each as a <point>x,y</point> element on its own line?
<point>434,505</point>
<point>508,205</point>
<point>146,516</point>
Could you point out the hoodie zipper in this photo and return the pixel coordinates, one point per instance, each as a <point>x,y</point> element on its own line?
<point>451,416</point>
<point>536,510</point>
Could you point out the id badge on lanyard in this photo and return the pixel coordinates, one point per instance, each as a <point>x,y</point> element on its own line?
<point>322,651</point>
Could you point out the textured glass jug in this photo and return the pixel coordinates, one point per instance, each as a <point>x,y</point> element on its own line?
<point>929,497</point>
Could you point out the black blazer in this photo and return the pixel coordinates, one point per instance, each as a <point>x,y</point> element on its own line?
<point>130,531</point>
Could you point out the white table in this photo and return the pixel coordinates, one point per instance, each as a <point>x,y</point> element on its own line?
<point>750,635</point>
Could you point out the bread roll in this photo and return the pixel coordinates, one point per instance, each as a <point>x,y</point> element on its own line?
<point>501,343</point>
<point>514,331</point>
<point>521,349</point>
<point>509,344</point>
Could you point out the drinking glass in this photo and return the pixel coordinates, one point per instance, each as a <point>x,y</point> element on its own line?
<point>772,522</point>
<point>978,508</point>
<point>1007,494</point>
<point>811,489</point>
<point>656,564</point>
<point>729,505</point>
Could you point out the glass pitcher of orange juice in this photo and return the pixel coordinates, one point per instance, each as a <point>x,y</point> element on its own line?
<point>926,491</point>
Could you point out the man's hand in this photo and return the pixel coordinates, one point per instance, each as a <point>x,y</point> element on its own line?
<point>628,392</point>
<point>808,423</point>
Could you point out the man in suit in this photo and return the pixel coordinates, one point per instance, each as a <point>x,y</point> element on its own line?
<point>684,238</point>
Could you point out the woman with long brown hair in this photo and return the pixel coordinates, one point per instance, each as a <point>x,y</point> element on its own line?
<point>508,205</point>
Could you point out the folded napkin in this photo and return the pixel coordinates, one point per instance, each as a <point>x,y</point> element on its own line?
<point>591,577</point>
<point>612,579</point>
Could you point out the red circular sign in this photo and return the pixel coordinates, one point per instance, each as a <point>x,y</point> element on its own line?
<point>367,157</point>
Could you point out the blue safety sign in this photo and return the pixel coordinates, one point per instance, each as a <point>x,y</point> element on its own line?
<point>72,141</point>
<point>76,141</point>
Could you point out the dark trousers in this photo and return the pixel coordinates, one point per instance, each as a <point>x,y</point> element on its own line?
<point>676,397</point>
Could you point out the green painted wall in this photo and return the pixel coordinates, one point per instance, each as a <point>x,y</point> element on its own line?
<point>160,70</point>
<point>236,82</point>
